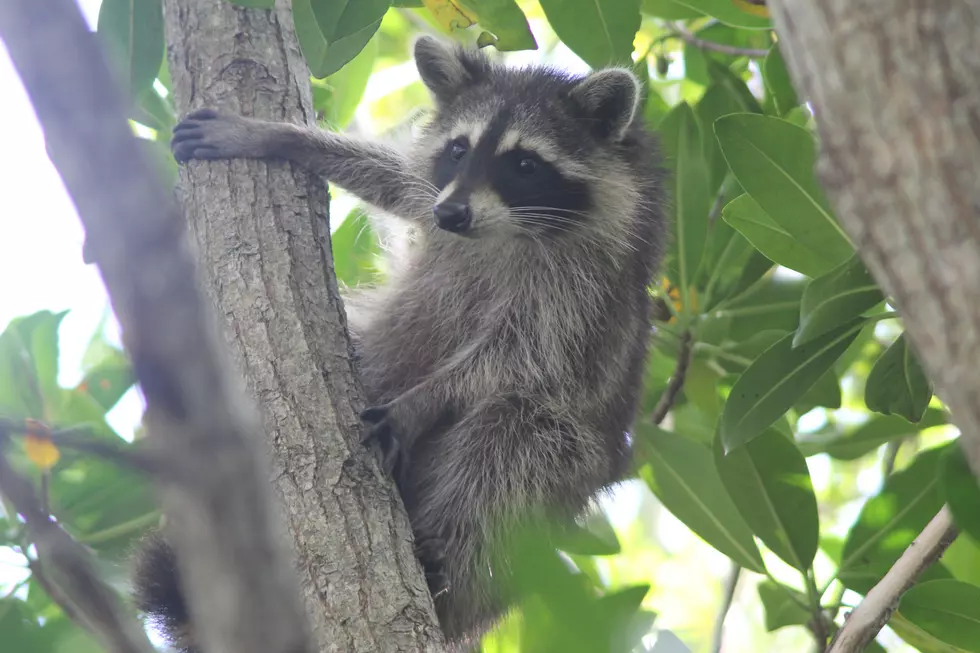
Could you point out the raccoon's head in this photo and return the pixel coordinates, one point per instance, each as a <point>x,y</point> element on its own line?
<point>529,151</point>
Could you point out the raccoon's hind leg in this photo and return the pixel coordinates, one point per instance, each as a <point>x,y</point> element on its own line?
<point>508,461</point>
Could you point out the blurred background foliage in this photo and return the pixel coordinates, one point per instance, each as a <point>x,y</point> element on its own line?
<point>802,451</point>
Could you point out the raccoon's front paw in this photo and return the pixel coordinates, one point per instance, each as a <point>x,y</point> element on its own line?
<point>383,432</point>
<point>210,134</point>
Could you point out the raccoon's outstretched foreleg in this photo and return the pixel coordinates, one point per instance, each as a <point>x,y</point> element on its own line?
<point>376,173</point>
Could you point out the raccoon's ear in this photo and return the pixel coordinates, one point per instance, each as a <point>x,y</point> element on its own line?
<point>609,98</point>
<point>447,69</point>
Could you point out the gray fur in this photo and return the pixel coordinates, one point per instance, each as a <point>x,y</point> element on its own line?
<point>504,364</point>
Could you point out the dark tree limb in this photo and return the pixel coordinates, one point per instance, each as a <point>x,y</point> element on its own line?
<point>676,383</point>
<point>242,589</point>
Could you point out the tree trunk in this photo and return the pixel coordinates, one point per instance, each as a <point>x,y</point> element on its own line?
<point>896,92</point>
<point>263,240</point>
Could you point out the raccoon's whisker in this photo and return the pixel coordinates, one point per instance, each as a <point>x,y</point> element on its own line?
<point>527,210</point>
<point>562,224</point>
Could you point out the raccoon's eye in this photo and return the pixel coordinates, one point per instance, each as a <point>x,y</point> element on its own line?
<point>457,151</point>
<point>527,166</point>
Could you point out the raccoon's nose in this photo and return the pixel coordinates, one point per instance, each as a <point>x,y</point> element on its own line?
<point>453,216</point>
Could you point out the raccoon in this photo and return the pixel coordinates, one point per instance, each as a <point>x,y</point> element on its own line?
<point>503,357</point>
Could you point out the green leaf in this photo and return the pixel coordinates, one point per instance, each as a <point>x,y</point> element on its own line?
<point>507,22</point>
<point>770,484</point>
<point>836,297</point>
<point>877,431</point>
<point>918,638</point>
<point>695,65</point>
<point>107,383</point>
<point>19,630</point>
<point>682,474</point>
<point>778,82</point>
<point>333,32</point>
<point>131,32</point>
<point>338,95</point>
<point>890,521</point>
<point>257,4</point>
<point>681,142</point>
<point>778,379</point>
<point>962,558</point>
<point>748,218</point>
<point>622,609</point>
<point>29,365</point>
<point>781,610</point>
<point>669,9</point>
<point>897,384</point>
<point>961,492</point>
<point>825,392</point>
<point>40,334</point>
<point>773,161</point>
<point>157,110</point>
<point>722,75</point>
<point>949,610</point>
<point>597,538</point>
<point>355,250</point>
<point>601,32</point>
<point>716,102</point>
<point>728,13</point>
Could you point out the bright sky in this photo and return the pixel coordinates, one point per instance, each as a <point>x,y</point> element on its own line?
<point>41,238</point>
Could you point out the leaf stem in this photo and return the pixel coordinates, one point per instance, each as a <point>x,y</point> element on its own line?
<point>731,582</point>
<point>721,353</point>
<point>818,625</point>
<point>119,530</point>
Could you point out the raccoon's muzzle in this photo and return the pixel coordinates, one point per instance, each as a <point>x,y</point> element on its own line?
<point>453,216</point>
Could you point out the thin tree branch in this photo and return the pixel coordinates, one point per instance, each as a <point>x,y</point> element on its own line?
<point>731,582</point>
<point>69,575</point>
<point>689,37</point>
<point>232,559</point>
<point>865,621</point>
<point>676,383</point>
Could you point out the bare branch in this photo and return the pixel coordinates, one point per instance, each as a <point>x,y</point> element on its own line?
<point>689,37</point>
<point>866,620</point>
<point>242,591</point>
<point>676,383</point>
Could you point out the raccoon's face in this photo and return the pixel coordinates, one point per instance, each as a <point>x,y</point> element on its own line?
<point>522,152</point>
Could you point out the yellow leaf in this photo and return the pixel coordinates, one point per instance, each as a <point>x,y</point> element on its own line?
<point>754,7</point>
<point>450,14</point>
<point>41,451</point>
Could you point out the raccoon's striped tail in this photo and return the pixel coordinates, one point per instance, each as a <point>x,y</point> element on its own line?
<point>158,594</point>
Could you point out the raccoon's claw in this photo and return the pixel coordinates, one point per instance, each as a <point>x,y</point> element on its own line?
<point>206,134</point>
<point>382,433</point>
<point>431,552</point>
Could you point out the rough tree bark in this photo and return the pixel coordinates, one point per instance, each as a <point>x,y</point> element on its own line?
<point>896,92</point>
<point>262,235</point>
